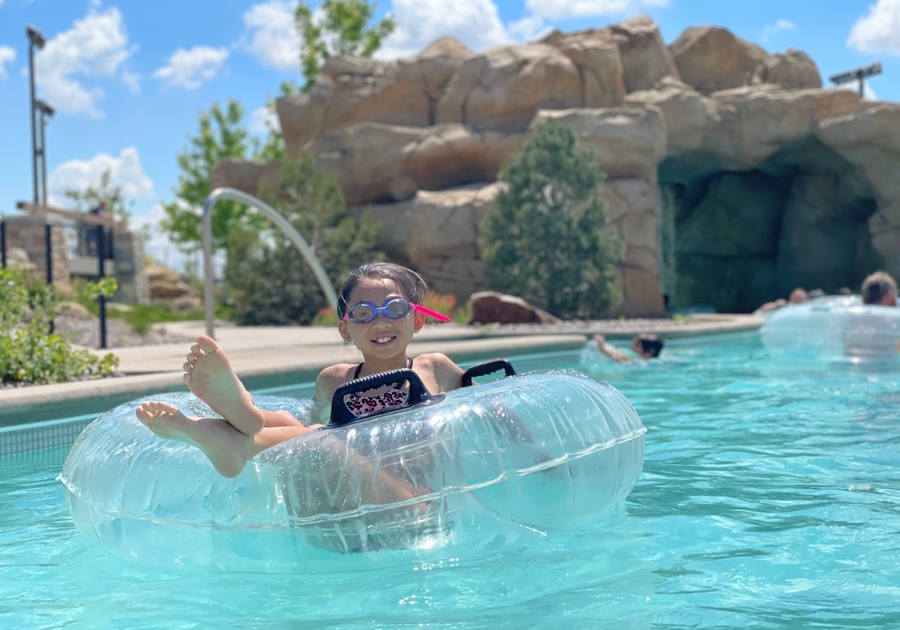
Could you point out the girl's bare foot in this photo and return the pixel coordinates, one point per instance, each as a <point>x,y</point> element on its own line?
<point>224,445</point>
<point>209,376</point>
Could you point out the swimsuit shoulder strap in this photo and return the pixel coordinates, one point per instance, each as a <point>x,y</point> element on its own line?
<point>359,369</point>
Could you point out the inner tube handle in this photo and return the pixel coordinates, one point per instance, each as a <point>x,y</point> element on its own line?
<point>483,369</point>
<point>341,415</point>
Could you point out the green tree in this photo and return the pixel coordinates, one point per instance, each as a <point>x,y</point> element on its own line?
<point>221,135</point>
<point>90,197</point>
<point>343,30</point>
<point>545,239</point>
<point>271,282</point>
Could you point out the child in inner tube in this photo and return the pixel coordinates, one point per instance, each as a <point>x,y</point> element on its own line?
<point>645,346</point>
<point>379,311</point>
<point>878,338</point>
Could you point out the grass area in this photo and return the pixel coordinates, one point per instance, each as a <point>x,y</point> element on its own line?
<point>140,318</point>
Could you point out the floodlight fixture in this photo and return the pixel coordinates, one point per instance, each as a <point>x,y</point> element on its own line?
<point>35,37</point>
<point>45,109</point>
<point>857,75</point>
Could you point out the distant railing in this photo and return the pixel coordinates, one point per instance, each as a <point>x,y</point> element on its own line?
<point>289,231</point>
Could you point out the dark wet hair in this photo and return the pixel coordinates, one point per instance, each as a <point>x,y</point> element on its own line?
<point>876,286</point>
<point>650,344</point>
<point>411,285</point>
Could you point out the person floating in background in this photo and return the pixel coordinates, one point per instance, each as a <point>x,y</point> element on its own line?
<point>876,337</point>
<point>879,289</point>
<point>797,296</point>
<point>645,346</point>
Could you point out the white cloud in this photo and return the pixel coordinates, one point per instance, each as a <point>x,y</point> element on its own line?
<point>563,9</point>
<point>191,68</point>
<point>126,172</point>
<point>262,119</point>
<point>868,93</point>
<point>778,27</point>
<point>95,46</point>
<point>132,81</point>
<point>879,30</point>
<point>158,245</point>
<point>273,39</point>
<point>529,28</point>
<point>420,22</point>
<point>7,55</point>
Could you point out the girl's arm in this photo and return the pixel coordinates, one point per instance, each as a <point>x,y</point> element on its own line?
<point>447,374</point>
<point>611,352</point>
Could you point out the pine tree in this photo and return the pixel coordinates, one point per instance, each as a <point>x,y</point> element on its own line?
<point>545,241</point>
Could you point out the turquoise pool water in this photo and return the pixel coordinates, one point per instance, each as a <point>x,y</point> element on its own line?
<point>770,498</point>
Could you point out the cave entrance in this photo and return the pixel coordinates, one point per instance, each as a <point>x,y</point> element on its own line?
<point>733,240</point>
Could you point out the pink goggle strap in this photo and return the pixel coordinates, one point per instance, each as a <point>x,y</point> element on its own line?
<point>428,311</point>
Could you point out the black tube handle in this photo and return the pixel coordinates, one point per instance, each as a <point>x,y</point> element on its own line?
<point>483,369</point>
<point>341,414</point>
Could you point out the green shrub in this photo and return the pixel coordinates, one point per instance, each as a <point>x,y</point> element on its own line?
<point>463,315</point>
<point>29,352</point>
<point>545,240</point>
<point>271,283</point>
<point>443,304</point>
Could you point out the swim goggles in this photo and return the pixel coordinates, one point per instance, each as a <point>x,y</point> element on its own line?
<point>396,308</point>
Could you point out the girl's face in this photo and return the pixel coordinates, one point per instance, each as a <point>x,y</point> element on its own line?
<point>382,338</point>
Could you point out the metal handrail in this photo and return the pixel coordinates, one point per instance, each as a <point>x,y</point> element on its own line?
<point>280,221</point>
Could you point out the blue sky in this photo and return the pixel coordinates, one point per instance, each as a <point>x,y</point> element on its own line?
<point>128,79</point>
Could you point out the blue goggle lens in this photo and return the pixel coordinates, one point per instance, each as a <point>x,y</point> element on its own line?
<point>364,312</point>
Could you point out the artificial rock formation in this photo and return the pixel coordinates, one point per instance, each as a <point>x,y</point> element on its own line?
<point>732,176</point>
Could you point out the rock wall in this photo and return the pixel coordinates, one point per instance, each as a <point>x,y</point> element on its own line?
<point>770,181</point>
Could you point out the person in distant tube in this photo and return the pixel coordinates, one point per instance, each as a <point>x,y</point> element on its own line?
<point>876,337</point>
<point>645,346</point>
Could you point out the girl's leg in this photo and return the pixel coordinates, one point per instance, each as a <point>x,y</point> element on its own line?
<point>227,448</point>
<point>209,376</point>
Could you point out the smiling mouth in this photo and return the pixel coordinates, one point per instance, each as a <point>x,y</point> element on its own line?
<point>383,340</point>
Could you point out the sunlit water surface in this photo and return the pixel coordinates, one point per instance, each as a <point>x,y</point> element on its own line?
<point>770,497</point>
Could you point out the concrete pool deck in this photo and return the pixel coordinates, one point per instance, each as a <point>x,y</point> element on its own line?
<point>275,356</point>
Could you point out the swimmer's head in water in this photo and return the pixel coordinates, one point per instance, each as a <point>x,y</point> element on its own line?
<point>648,346</point>
<point>798,296</point>
<point>879,288</point>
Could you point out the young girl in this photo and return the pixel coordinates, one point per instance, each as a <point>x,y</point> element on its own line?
<point>379,312</point>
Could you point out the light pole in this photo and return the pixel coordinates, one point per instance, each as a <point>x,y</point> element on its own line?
<point>35,39</point>
<point>46,113</point>
<point>857,75</point>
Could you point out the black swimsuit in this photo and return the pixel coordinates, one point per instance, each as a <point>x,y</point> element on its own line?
<point>362,403</point>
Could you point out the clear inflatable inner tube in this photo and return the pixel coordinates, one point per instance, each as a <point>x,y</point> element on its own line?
<point>833,329</point>
<point>492,467</point>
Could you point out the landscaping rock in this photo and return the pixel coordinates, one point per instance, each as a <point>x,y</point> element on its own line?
<point>489,307</point>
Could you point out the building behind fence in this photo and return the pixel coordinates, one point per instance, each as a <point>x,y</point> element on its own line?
<point>71,254</point>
